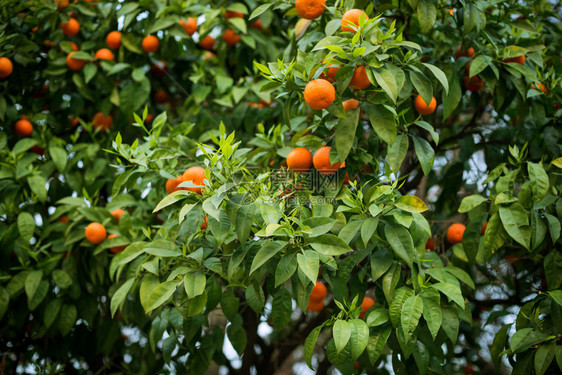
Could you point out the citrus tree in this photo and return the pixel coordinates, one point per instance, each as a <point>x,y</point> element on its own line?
<point>252,187</point>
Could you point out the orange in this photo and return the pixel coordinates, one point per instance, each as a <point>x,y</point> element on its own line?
<point>423,108</point>
<point>257,25</point>
<point>430,244</point>
<point>190,26</point>
<point>23,127</point>
<point>367,303</point>
<point>451,11</point>
<point>208,43</point>
<point>74,64</point>
<point>116,249</point>
<point>149,118</point>
<point>61,4</point>
<point>63,219</point>
<point>161,96</point>
<point>454,233</point>
<point>233,14</point>
<point>315,306</point>
<point>117,214</point>
<point>483,229</point>
<point>70,28</point>
<point>350,104</point>
<point>310,9</point>
<point>159,68</point>
<point>150,44</point>
<point>319,94</point>
<point>196,175</point>
<point>95,233</point>
<point>319,292</point>
<point>468,53</point>
<point>321,161</point>
<point>360,79</point>
<point>539,86</point>
<point>351,19</point>
<point>104,54</point>
<point>299,160</point>
<point>331,75</point>
<point>113,39</point>
<point>74,46</point>
<point>473,83</point>
<point>205,223</point>
<point>172,184</point>
<point>102,122</point>
<point>6,67</point>
<point>231,38</point>
<point>518,60</point>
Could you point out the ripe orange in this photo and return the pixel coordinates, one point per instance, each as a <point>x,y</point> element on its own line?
<point>116,249</point>
<point>233,14</point>
<point>74,64</point>
<point>539,86</point>
<point>117,214</point>
<point>172,184</point>
<point>63,219</point>
<point>319,94</point>
<point>104,54</point>
<point>367,303</point>
<point>315,306</point>
<point>102,122</point>
<point>321,161</point>
<point>150,44</point>
<point>95,233</point>
<point>205,223</point>
<point>113,39</point>
<point>196,175</point>
<point>161,96</point>
<point>468,53</point>
<point>231,38</point>
<point>350,104</point>
<point>208,43</point>
<point>483,229</point>
<point>351,19</point>
<point>455,232</point>
<point>430,244</point>
<point>331,75</point>
<point>310,9</point>
<point>319,292</point>
<point>257,25</point>
<point>299,160</point>
<point>23,127</point>
<point>6,67</point>
<point>451,11</point>
<point>190,26</point>
<point>518,60</point>
<point>360,79</point>
<point>70,28</point>
<point>473,83</point>
<point>61,4</point>
<point>74,46</point>
<point>423,108</point>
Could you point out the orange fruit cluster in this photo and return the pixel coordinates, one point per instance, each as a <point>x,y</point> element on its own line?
<point>194,174</point>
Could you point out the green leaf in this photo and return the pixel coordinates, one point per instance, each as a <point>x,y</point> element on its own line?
<point>4,301</point>
<point>556,296</point>
<point>400,241</point>
<point>281,308</point>
<point>194,284</point>
<point>397,152</point>
<point>32,283</point>
<point>118,298</point>
<point>319,225</point>
<point>377,317</point>
<point>309,345</point>
<point>382,121</point>
<point>453,98</point>
<point>432,311</point>
<point>267,251</point>
<point>237,335</point>
<point>59,157</point>
<point>255,298</point>
<point>285,268</point>
<point>479,64</point>
<point>470,17</point>
<point>495,234</point>
<point>450,322</point>
<point>377,342</point>
<point>342,333</point>
<point>381,260</point>
<point>51,312</point>
<point>148,284</point>
<point>411,314</point>
<point>387,82</point>
<point>329,245</point>
<point>539,180</point>
<point>161,294</point>
<point>244,221</point>
<point>411,203</point>
<point>309,264</point>
<point>427,14</point>
<point>259,10</point>
<point>544,357</point>
<point>67,318</point>
<point>37,184</point>
<point>395,308</point>
<point>368,229</point>
<point>430,129</point>
<point>162,23</point>
<point>441,77</point>
<point>26,226</point>
<point>423,85</point>
<point>359,337</point>
<point>452,291</point>
<point>62,279</point>
<point>425,153</point>
<point>468,203</point>
<point>345,132</point>
<point>554,227</point>
<point>498,344</point>
<point>516,224</point>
